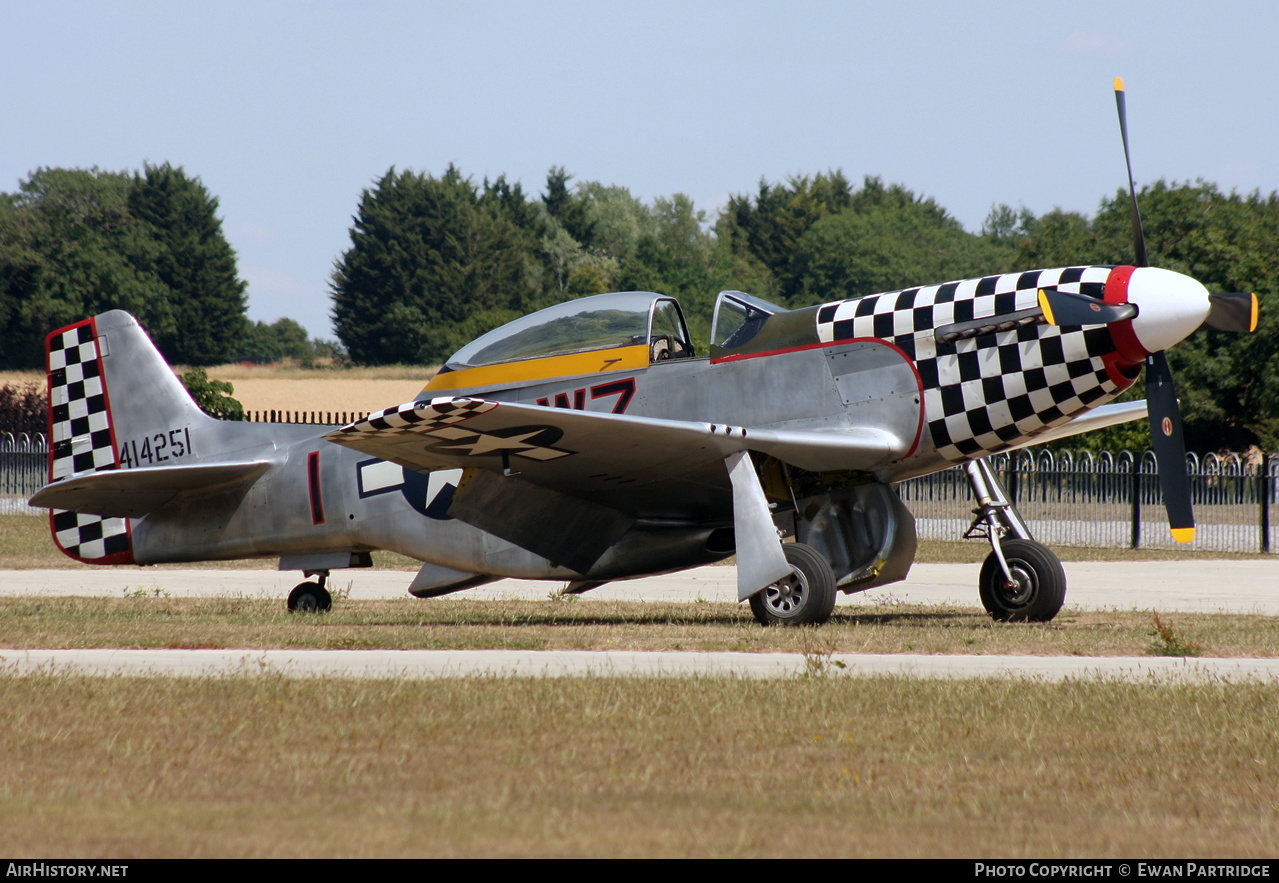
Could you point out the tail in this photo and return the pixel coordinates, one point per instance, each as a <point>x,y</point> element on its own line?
<point>113,403</point>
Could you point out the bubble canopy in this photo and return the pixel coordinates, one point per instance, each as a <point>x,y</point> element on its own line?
<point>603,321</point>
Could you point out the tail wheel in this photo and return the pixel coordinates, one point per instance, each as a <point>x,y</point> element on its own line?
<point>1037,589</point>
<point>805,597</point>
<point>310,598</point>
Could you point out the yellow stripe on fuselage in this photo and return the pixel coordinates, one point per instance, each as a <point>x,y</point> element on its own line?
<point>622,358</point>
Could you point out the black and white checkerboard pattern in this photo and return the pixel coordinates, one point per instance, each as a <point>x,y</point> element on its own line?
<point>418,418</point>
<point>983,394</point>
<point>81,427</point>
<point>438,419</point>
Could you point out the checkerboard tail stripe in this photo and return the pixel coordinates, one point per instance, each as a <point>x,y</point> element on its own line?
<point>82,441</point>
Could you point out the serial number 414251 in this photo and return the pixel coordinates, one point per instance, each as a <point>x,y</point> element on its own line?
<point>156,448</point>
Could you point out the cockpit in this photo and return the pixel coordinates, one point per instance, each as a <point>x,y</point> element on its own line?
<point>606,332</point>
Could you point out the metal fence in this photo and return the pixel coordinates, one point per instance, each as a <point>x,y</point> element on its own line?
<point>24,469</point>
<point>313,418</point>
<point>1067,499</point>
<point>1113,500</point>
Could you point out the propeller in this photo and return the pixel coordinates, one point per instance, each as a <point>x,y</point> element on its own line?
<point>1159,309</point>
<point>1161,396</point>
<point>1232,311</point>
<point>1068,308</point>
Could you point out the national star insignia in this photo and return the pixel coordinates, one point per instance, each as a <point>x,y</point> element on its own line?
<point>520,443</point>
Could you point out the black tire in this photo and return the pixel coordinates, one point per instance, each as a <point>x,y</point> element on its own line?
<point>1039,588</point>
<point>310,598</point>
<point>806,597</point>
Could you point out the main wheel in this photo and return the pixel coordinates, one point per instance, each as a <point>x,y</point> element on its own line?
<point>806,597</point>
<point>310,598</point>
<point>1038,587</point>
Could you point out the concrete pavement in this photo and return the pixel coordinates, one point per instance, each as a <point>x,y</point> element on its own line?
<point>1235,586</point>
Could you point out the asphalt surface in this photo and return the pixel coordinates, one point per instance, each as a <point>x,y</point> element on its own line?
<point>1247,586</point>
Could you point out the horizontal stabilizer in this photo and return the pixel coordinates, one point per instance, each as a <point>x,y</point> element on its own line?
<point>132,493</point>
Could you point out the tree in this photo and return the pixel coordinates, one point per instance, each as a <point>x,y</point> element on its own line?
<point>887,238</point>
<point>76,242</point>
<point>212,396</point>
<point>432,263</point>
<point>283,339</point>
<point>195,264</point>
<point>770,227</point>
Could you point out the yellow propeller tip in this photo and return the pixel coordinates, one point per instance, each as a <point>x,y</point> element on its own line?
<point>1183,534</point>
<point>1119,84</point>
<point>1252,320</point>
<point>1046,307</point>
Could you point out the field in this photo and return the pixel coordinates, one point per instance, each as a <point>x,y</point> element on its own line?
<point>265,388</point>
<point>488,767</point>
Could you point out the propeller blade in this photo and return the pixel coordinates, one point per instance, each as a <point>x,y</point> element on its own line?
<point>1232,311</point>
<point>1170,448</point>
<point>1138,238</point>
<point>1068,308</point>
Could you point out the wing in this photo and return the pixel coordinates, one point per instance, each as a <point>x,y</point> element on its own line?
<point>640,465</point>
<point>1098,418</point>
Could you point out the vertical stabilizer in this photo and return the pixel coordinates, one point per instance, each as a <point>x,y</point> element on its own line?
<point>147,422</point>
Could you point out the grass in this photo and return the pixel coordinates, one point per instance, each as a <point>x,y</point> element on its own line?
<point>459,623</point>
<point>506,767</point>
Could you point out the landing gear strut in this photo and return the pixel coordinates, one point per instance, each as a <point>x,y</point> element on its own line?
<point>1021,579</point>
<point>311,597</point>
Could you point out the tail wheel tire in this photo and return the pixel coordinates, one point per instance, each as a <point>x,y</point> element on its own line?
<point>1038,587</point>
<point>310,598</point>
<point>805,597</point>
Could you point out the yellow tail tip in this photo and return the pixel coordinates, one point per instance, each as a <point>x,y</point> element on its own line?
<point>1119,84</point>
<point>1183,534</point>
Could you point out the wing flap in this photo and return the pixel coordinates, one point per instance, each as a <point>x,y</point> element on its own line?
<point>132,493</point>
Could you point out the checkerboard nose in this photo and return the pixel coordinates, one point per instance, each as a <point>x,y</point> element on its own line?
<point>1170,307</point>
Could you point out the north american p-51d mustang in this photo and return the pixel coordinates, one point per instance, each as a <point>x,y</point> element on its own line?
<point>590,442</point>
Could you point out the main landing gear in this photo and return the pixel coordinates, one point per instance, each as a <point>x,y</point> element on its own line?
<point>806,597</point>
<point>1021,580</point>
<point>311,597</point>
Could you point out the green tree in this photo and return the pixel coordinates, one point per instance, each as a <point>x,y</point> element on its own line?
<point>283,339</point>
<point>193,262</point>
<point>432,263</point>
<point>212,396</point>
<point>76,242</point>
<point>888,239</point>
<point>769,227</point>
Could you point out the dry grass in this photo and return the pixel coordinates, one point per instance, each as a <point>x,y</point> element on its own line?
<point>485,767</point>
<point>146,621</point>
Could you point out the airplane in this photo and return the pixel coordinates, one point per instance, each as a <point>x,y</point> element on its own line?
<point>591,442</point>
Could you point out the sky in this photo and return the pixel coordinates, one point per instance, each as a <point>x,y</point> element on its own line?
<point>287,111</point>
